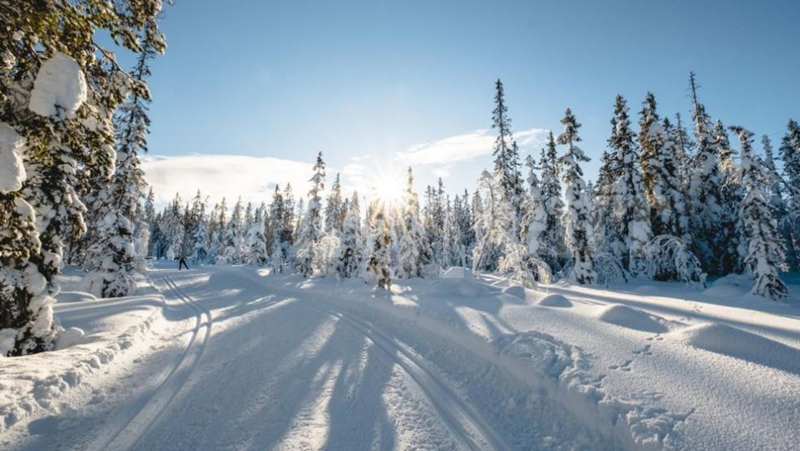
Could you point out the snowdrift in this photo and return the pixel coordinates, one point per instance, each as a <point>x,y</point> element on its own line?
<point>743,345</point>
<point>631,318</point>
<point>555,300</point>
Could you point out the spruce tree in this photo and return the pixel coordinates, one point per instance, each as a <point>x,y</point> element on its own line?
<point>552,251</point>
<point>660,171</point>
<point>311,230</point>
<point>704,187</point>
<point>333,209</point>
<point>576,216</point>
<point>506,152</point>
<point>631,217</point>
<point>778,201</point>
<point>414,248</point>
<point>765,254</point>
<point>790,154</point>
<point>731,195</point>
<point>351,251</point>
<point>379,258</point>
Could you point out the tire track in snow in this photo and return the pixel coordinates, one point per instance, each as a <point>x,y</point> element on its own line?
<point>467,427</point>
<point>149,410</point>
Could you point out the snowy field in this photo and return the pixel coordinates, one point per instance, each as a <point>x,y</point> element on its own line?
<point>233,358</point>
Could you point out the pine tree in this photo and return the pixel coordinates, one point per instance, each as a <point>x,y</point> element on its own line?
<point>731,195</point>
<point>576,217</point>
<point>311,230</point>
<point>276,229</point>
<point>704,187</point>
<point>506,152</point>
<point>631,216</point>
<point>552,238</point>
<point>413,253</point>
<point>660,171</point>
<point>779,203</point>
<point>601,207</point>
<point>150,220</point>
<point>256,243</point>
<point>534,221</point>
<point>765,253</point>
<point>790,154</point>
<point>333,209</point>
<point>232,237</point>
<point>351,251</point>
<point>379,258</point>
<point>50,60</point>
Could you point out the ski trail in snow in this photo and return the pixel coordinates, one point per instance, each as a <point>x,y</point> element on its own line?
<point>467,427</point>
<point>147,411</point>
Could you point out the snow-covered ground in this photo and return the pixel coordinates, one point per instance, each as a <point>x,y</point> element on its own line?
<point>234,358</point>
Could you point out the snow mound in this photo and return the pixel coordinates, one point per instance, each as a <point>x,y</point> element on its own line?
<point>516,291</point>
<point>555,300</point>
<point>743,345</point>
<point>59,83</point>
<point>461,282</point>
<point>732,285</point>
<point>12,170</point>
<point>624,316</point>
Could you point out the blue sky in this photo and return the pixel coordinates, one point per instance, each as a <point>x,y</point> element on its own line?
<point>375,85</point>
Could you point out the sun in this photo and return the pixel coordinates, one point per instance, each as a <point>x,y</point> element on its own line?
<point>388,188</point>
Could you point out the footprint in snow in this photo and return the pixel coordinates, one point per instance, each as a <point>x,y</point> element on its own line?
<point>626,366</point>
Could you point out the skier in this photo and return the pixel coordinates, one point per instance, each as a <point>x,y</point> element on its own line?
<point>182,263</point>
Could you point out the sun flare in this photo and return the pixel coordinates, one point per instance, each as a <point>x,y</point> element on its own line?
<point>388,188</point>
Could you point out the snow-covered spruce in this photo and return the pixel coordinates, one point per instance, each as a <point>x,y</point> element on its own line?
<point>413,252</point>
<point>311,228</point>
<point>351,247</point>
<point>576,216</point>
<point>661,172</point>
<point>765,253</point>
<point>379,244</point>
<point>631,217</point>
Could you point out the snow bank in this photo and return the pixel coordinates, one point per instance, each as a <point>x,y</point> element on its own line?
<point>624,316</point>
<point>59,83</point>
<point>516,291</point>
<point>34,386</point>
<point>743,345</point>
<point>554,300</point>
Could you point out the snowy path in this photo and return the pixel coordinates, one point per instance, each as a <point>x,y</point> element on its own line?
<point>145,412</point>
<point>244,361</point>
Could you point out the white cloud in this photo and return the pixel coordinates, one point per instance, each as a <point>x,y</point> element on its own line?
<point>464,147</point>
<point>220,176</point>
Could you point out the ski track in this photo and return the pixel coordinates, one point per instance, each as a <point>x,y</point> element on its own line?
<point>137,423</point>
<point>467,427</point>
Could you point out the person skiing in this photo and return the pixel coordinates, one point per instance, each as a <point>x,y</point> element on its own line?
<point>182,263</point>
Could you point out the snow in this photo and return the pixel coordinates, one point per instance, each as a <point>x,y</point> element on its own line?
<point>632,318</point>
<point>234,357</point>
<point>554,300</point>
<point>59,83</point>
<point>12,169</point>
<point>739,344</point>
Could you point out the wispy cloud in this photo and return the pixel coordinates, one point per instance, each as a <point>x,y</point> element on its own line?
<point>221,176</point>
<point>464,147</point>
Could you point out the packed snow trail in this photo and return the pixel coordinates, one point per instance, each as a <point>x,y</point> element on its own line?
<point>256,363</point>
<point>147,411</point>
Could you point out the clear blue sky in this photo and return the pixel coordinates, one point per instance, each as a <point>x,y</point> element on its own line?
<point>288,79</point>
